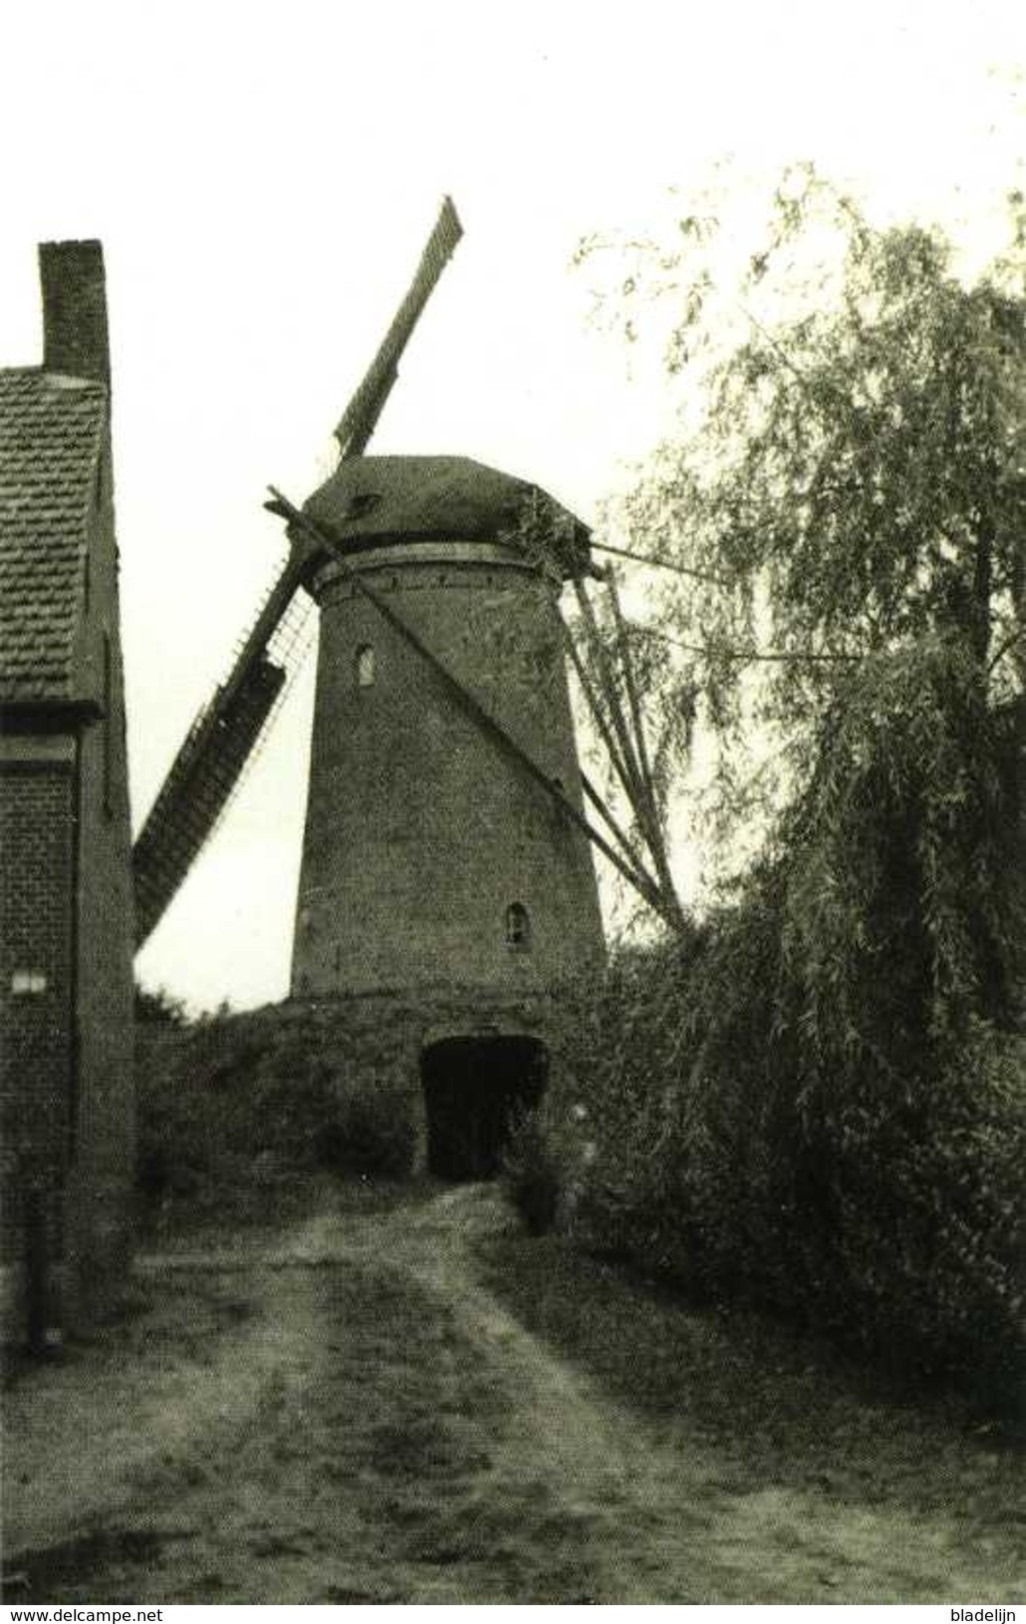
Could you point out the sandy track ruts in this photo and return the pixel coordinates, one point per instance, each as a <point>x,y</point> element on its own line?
<point>659,1528</point>
<point>649,1518</point>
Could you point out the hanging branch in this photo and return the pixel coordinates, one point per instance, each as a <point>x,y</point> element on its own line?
<point>1003,648</point>
<point>745,656</point>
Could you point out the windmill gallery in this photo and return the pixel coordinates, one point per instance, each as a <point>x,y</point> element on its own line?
<point>447,884</point>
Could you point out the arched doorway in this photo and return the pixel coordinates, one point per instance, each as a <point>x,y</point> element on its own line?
<point>474,1090</point>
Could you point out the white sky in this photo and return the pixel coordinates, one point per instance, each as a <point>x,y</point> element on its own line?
<point>263,179</point>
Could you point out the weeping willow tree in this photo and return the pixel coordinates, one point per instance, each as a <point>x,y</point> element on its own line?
<point>846,517</point>
<point>843,514</point>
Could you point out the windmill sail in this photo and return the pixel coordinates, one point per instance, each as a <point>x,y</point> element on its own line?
<point>215,751</point>
<point>360,417</point>
<point>197,789</point>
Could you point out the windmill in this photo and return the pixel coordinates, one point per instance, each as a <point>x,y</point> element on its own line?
<point>448,850</point>
<point>220,743</point>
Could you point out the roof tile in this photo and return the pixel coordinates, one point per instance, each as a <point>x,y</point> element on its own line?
<point>51,438</point>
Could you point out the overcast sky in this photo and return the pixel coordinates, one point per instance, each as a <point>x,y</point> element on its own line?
<point>263,179</point>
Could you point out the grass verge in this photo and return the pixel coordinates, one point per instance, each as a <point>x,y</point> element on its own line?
<point>780,1408</point>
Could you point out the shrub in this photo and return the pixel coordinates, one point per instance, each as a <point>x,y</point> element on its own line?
<point>531,1174</point>
<point>237,1098</point>
<point>891,1216</point>
<point>159,1008</point>
<point>818,1103</point>
<point>370,1133</point>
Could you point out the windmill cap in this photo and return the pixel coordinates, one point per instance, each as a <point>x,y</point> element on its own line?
<point>371,500</point>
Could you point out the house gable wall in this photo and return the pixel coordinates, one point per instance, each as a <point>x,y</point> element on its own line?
<point>102,1169</point>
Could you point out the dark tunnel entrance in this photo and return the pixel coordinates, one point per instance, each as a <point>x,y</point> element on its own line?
<point>474,1091</point>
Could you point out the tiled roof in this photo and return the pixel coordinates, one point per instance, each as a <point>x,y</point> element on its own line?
<point>51,437</point>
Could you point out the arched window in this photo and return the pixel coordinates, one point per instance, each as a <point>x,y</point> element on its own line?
<point>518,927</point>
<point>365,666</point>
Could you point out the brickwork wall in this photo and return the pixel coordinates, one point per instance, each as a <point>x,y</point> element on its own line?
<point>36,877</point>
<point>103,1168</point>
<point>420,832</point>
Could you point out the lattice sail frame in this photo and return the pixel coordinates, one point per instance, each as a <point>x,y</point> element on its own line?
<point>213,757</point>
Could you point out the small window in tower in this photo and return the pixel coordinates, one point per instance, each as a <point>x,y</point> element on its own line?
<point>518,927</point>
<point>363,502</point>
<point>365,666</point>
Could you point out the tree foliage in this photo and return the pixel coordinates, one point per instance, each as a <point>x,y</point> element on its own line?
<point>856,482</point>
<point>848,501</point>
<point>158,1007</point>
<point>816,1099</point>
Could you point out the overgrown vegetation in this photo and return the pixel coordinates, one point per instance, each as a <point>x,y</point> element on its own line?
<point>887,1211</point>
<point>234,1105</point>
<point>816,1099</point>
<point>158,1007</point>
<point>531,1174</point>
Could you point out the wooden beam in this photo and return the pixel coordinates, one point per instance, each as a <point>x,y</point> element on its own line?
<point>656,840</point>
<point>609,817</point>
<point>633,699</point>
<point>598,714</point>
<point>634,787</point>
<point>659,563</point>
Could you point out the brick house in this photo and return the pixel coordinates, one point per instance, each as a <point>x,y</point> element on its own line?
<point>67,1146</point>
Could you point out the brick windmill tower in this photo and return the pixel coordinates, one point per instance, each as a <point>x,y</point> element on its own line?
<point>434,866</point>
<point>447,887</point>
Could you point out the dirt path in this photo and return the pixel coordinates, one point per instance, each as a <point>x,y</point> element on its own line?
<point>357,1417</point>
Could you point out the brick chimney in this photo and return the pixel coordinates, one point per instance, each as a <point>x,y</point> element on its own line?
<point>74,309</point>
